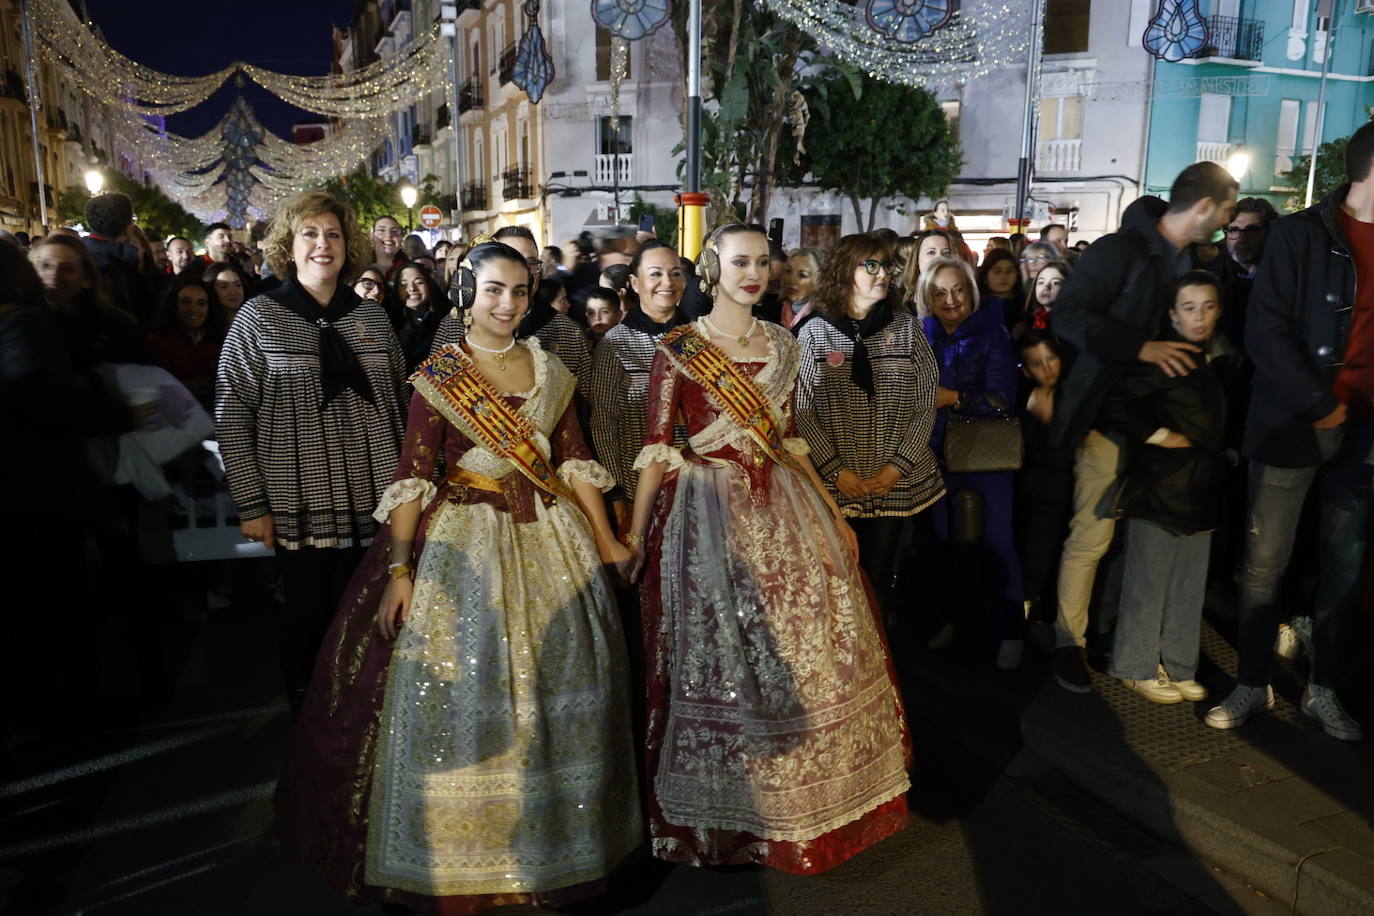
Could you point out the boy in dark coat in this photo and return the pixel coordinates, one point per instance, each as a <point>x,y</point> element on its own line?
<point>1169,494</point>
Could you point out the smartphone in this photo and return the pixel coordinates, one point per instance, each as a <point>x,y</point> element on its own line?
<point>646,223</point>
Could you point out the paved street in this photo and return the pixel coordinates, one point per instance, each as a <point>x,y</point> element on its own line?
<point>169,813</point>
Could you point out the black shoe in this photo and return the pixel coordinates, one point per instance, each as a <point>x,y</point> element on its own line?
<point>1071,669</point>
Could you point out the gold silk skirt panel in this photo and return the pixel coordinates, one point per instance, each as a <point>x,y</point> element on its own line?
<point>504,759</point>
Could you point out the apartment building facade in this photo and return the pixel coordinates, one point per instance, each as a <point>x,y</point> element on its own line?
<point>1254,89</point>
<point>558,166</point>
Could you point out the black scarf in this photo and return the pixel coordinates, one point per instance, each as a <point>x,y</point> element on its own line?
<point>636,320</point>
<point>339,367</point>
<point>861,370</point>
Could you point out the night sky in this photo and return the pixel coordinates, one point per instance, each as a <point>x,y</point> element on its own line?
<point>193,38</point>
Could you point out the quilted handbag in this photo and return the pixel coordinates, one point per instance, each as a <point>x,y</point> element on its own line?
<point>973,446</point>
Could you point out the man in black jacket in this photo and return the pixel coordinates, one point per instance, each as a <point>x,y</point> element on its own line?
<point>1310,335</point>
<point>1246,232</point>
<point>1108,315</point>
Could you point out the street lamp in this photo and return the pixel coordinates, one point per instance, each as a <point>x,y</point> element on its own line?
<point>94,181</point>
<point>1238,164</point>
<point>408,197</point>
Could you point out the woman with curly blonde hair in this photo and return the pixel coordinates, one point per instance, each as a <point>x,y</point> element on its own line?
<point>309,415</point>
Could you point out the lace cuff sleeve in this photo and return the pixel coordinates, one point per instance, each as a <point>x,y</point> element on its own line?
<point>659,452</point>
<point>403,491</point>
<point>796,445</point>
<point>590,471</point>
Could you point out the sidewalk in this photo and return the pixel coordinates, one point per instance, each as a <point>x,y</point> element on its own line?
<point>1277,801</point>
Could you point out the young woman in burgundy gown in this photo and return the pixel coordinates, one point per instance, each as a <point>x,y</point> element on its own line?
<point>775,733</point>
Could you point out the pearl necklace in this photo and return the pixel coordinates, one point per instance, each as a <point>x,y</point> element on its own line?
<point>499,354</point>
<point>743,341</point>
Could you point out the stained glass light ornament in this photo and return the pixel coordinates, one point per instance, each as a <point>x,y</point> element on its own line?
<point>630,19</point>
<point>976,40</point>
<point>1176,31</point>
<point>906,21</point>
<point>533,64</point>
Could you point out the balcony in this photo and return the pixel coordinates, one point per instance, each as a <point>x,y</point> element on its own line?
<point>1053,156</point>
<point>506,70</point>
<point>515,185</point>
<point>470,97</point>
<point>469,13</point>
<point>474,196</point>
<point>613,167</point>
<point>1233,39</point>
<point>1213,151</point>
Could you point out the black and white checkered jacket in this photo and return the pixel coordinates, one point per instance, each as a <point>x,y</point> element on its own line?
<point>846,429</point>
<point>318,472</point>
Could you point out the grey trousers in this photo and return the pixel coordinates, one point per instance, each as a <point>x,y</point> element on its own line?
<point>1160,618</point>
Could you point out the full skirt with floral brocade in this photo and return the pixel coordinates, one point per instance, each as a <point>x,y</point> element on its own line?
<point>484,758</point>
<point>775,727</point>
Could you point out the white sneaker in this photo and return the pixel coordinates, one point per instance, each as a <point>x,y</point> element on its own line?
<point>1157,689</point>
<point>1240,705</point>
<point>1320,703</point>
<point>1009,654</point>
<point>943,639</point>
<point>1191,690</point>
<point>1287,645</point>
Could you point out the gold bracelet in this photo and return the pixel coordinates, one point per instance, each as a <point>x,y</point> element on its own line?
<point>398,570</point>
<point>633,540</point>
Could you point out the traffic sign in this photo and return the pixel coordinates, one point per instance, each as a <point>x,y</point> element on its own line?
<point>431,216</point>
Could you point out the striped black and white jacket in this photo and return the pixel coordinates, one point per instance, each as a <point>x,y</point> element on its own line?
<point>846,429</point>
<point>619,395</point>
<point>319,472</point>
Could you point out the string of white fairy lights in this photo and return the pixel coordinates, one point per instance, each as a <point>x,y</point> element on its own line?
<point>129,96</point>
<point>974,42</point>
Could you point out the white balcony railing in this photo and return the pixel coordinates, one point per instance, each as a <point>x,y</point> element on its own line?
<point>607,165</point>
<point>1058,156</point>
<point>1212,151</point>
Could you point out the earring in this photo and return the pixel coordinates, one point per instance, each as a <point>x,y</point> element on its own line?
<point>467,319</point>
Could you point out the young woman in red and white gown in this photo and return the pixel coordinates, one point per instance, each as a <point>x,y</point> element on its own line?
<point>775,726</point>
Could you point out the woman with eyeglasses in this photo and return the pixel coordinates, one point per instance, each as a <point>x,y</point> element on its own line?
<point>866,404</point>
<point>1034,257</point>
<point>978,381</point>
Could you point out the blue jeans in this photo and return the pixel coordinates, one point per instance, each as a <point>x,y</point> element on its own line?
<point>1160,616</point>
<point>1276,498</point>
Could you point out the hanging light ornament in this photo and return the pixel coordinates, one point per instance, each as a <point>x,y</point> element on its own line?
<point>907,20</point>
<point>914,43</point>
<point>630,19</point>
<point>1176,31</point>
<point>534,68</point>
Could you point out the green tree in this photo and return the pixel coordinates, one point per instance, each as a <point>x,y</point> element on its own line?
<point>374,198</point>
<point>871,139</point>
<point>754,62</point>
<point>158,215</point>
<point>665,219</point>
<point>1330,174</point>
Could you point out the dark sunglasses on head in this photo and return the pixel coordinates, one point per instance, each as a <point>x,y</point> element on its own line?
<point>873,265</point>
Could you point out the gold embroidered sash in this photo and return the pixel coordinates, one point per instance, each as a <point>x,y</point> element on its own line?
<point>707,364</point>
<point>453,385</point>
